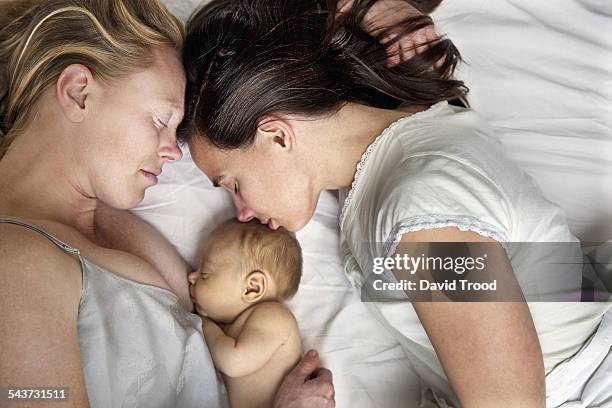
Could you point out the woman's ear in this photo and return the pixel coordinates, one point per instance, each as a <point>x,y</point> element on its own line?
<point>276,132</point>
<point>72,90</point>
<point>256,286</point>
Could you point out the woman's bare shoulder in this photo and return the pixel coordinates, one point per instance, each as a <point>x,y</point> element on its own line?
<point>28,257</point>
<point>40,287</point>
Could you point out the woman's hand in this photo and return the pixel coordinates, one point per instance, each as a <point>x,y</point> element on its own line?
<point>400,46</point>
<point>307,386</point>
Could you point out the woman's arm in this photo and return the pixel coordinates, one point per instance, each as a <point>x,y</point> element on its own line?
<point>489,350</point>
<point>40,289</point>
<point>122,230</point>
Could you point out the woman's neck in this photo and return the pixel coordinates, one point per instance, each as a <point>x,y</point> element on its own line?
<point>39,181</point>
<point>343,138</point>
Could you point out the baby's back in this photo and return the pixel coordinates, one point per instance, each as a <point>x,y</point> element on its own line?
<point>257,389</point>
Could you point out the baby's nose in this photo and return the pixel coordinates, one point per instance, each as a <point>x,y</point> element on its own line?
<point>192,277</point>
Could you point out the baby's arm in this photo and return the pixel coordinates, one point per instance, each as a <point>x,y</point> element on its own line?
<point>265,331</point>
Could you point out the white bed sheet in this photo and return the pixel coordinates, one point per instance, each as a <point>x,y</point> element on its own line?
<point>541,74</point>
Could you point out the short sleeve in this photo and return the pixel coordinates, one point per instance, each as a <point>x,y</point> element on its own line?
<point>437,191</point>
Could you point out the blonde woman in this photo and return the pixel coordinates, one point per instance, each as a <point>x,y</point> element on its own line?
<point>92,93</point>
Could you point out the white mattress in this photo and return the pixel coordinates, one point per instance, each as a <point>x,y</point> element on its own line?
<point>541,73</point>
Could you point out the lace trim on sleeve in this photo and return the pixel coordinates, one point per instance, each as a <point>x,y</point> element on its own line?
<point>431,221</point>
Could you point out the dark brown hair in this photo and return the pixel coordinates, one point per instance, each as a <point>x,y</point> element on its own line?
<point>249,58</point>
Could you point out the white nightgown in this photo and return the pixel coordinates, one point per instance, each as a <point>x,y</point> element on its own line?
<point>442,167</point>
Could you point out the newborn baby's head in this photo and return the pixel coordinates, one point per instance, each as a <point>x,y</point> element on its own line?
<point>244,264</point>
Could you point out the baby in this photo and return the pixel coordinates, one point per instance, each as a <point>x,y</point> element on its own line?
<point>246,271</point>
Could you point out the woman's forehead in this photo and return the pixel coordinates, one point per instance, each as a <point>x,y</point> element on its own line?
<point>161,81</point>
<point>203,150</point>
<point>210,159</point>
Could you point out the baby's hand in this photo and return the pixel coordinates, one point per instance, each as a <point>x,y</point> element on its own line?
<point>207,320</point>
<point>212,331</point>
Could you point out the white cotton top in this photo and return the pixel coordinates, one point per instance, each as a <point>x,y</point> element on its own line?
<point>442,167</point>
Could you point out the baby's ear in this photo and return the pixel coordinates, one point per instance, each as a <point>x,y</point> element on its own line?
<point>256,286</point>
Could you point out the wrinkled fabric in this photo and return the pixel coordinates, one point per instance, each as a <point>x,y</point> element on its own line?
<point>443,167</point>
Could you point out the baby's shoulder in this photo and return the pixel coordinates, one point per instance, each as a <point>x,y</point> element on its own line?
<point>273,317</point>
<point>271,309</point>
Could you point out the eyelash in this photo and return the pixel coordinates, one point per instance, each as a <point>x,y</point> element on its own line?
<point>159,123</point>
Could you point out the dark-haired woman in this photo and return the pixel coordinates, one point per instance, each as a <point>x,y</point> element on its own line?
<point>288,98</point>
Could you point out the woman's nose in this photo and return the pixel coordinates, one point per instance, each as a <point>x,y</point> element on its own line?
<point>171,153</point>
<point>170,150</point>
<point>243,212</point>
<point>245,215</point>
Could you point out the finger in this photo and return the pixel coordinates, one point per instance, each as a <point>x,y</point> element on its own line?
<point>323,389</point>
<point>392,48</point>
<point>323,384</point>
<point>421,43</point>
<point>305,367</point>
<point>433,37</point>
<point>389,37</point>
<point>393,54</point>
<point>407,49</point>
<point>323,375</point>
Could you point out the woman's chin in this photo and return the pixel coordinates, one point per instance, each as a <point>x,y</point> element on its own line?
<point>302,222</point>
<point>136,198</point>
<point>134,202</point>
<point>124,203</point>
<point>296,226</point>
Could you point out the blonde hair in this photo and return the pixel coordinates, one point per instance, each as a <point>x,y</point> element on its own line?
<point>278,252</point>
<point>39,39</point>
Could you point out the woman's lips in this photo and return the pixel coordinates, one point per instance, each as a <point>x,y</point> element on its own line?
<point>150,176</point>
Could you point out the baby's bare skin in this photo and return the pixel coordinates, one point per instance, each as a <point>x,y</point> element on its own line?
<point>255,352</point>
<point>245,274</point>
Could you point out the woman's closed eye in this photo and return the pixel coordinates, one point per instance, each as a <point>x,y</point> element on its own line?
<point>231,188</point>
<point>159,123</point>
